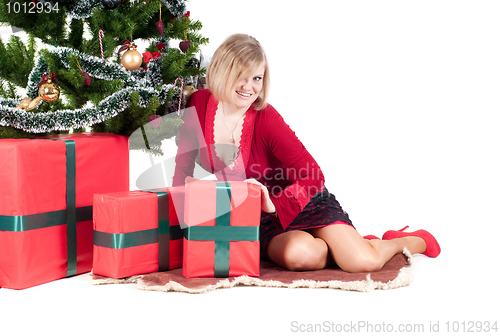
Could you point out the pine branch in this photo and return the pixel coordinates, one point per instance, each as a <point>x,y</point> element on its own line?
<point>16,60</point>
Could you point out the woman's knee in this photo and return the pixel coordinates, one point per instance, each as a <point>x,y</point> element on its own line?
<point>350,251</point>
<point>305,254</point>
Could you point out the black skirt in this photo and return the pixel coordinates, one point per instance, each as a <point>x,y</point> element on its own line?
<point>322,210</point>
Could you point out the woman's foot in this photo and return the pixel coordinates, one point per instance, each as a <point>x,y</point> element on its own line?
<point>420,241</point>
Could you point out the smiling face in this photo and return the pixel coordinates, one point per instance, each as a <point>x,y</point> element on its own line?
<point>248,88</point>
<point>238,73</point>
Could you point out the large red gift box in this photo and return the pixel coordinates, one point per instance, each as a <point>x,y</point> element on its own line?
<point>46,191</point>
<point>137,232</point>
<point>221,238</point>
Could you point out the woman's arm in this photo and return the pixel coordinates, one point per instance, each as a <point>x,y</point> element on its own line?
<point>305,174</point>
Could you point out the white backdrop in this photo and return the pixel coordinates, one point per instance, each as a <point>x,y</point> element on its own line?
<point>398,101</point>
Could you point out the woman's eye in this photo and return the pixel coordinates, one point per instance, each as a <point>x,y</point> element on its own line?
<point>257,79</point>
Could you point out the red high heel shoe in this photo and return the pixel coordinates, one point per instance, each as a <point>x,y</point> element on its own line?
<point>432,250</point>
<point>371,237</point>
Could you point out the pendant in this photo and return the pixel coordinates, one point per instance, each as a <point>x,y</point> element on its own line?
<point>231,139</point>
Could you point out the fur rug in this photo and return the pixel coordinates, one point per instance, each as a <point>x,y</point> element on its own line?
<point>396,273</point>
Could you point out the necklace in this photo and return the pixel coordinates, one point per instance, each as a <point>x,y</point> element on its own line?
<point>231,131</point>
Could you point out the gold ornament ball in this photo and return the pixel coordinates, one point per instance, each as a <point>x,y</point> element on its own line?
<point>49,91</point>
<point>132,59</point>
<point>188,91</point>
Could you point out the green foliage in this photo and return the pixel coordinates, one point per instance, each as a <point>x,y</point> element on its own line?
<point>8,90</point>
<point>22,65</point>
<point>9,132</point>
<point>17,60</point>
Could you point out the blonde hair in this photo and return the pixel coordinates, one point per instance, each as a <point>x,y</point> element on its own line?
<point>237,57</point>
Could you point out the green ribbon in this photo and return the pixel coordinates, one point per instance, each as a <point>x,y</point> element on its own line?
<point>163,230</point>
<point>69,216</point>
<point>71,206</point>
<point>162,235</point>
<point>124,240</point>
<point>131,239</point>
<point>223,219</point>
<point>42,220</point>
<point>222,233</point>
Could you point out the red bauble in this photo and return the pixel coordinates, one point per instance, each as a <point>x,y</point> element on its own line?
<point>160,27</point>
<point>87,78</point>
<point>154,120</point>
<point>184,45</point>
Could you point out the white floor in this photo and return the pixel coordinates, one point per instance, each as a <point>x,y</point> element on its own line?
<point>437,295</point>
<point>398,102</point>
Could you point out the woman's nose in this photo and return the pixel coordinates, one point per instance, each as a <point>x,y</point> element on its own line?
<point>245,84</point>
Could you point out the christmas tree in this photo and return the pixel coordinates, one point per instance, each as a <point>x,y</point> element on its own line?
<point>82,77</point>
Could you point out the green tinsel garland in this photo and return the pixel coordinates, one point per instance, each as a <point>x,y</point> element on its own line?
<point>64,120</point>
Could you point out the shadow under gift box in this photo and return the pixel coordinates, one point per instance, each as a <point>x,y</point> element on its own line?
<point>137,232</point>
<point>221,238</point>
<point>44,185</point>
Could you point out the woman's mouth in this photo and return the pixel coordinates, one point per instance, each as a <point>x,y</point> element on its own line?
<point>243,94</point>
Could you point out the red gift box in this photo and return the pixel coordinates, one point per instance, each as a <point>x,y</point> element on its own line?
<point>137,232</point>
<point>222,234</point>
<point>46,192</point>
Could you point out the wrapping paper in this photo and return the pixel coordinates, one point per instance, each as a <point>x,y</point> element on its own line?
<point>221,238</point>
<point>36,244</point>
<point>137,232</point>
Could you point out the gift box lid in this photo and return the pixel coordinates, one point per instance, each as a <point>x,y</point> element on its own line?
<point>206,200</point>
<point>33,171</point>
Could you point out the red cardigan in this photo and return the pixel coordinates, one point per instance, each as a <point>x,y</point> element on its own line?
<point>270,152</point>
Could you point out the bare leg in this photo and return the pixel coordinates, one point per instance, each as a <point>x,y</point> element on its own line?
<point>299,251</point>
<point>319,248</point>
<point>354,254</point>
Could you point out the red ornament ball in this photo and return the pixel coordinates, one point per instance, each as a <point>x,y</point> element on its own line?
<point>87,78</point>
<point>160,27</point>
<point>184,45</point>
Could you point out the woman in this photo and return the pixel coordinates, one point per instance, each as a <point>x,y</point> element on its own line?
<point>303,227</point>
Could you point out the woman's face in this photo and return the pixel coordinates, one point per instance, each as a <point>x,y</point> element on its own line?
<point>247,89</point>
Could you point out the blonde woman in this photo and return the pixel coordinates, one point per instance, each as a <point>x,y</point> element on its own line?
<point>242,137</point>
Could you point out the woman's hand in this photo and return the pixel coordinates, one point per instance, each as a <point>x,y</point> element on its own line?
<point>267,204</point>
